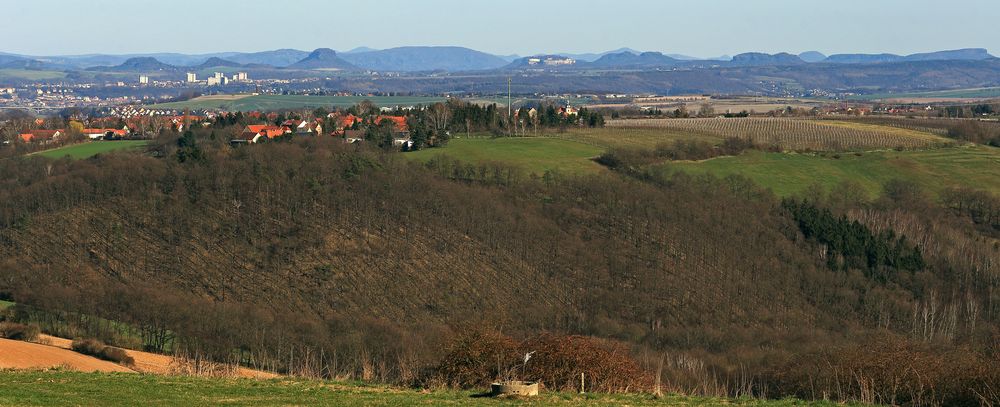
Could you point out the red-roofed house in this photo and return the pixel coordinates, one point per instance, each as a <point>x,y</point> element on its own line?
<point>344,122</point>
<point>97,134</point>
<point>400,122</point>
<point>42,136</point>
<point>257,132</point>
<point>401,135</point>
<point>568,111</point>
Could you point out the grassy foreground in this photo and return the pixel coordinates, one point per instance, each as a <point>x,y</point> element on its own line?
<point>533,154</point>
<point>37,388</point>
<point>788,174</point>
<point>87,150</point>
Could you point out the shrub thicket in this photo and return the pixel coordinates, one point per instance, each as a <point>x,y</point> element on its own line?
<point>480,357</point>
<point>19,332</point>
<point>99,350</point>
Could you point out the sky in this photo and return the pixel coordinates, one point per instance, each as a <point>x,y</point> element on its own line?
<point>702,28</point>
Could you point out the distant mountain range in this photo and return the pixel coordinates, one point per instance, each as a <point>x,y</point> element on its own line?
<point>276,58</point>
<point>812,56</point>
<point>632,60</point>
<point>968,54</point>
<point>414,59</point>
<point>762,59</point>
<point>452,59</point>
<point>138,64</point>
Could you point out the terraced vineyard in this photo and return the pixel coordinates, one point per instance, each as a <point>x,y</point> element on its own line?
<point>795,134</point>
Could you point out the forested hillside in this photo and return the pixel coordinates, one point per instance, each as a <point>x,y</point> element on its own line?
<point>317,255</point>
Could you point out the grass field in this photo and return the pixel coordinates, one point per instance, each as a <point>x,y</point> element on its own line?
<point>36,388</point>
<point>31,75</point>
<point>974,93</point>
<point>87,150</point>
<point>286,102</point>
<point>787,174</point>
<point>5,304</point>
<point>631,137</point>
<point>794,134</point>
<point>534,154</point>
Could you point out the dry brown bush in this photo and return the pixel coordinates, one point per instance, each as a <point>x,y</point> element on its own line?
<point>19,332</point>
<point>893,370</point>
<point>607,366</point>
<point>474,359</point>
<point>99,350</point>
<point>479,357</point>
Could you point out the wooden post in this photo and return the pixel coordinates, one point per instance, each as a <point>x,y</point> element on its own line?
<point>582,389</point>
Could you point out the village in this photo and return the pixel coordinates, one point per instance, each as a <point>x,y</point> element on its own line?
<point>132,122</point>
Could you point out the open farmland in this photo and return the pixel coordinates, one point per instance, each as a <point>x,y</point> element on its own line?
<point>87,150</point>
<point>533,154</point>
<point>31,75</point>
<point>632,137</point>
<point>955,95</point>
<point>286,102</point>
<point>787,174</point>
<point>795,134</point>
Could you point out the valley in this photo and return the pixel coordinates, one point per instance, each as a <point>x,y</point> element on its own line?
<point>768,203</point>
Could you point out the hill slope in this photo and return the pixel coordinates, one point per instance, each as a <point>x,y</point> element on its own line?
<point>322,59</point>
<point>411,59</point>
<point>762,59</point>
<point>630,60</point>
<point>138,64</point>
<point>279,58</point>
<point>362,258</point>
<point>214,62</point>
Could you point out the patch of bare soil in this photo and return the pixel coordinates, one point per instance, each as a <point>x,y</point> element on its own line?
<point>27,355</point>
<point>167,365</point>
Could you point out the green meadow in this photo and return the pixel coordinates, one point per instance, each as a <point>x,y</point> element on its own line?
<point>973,93</point>
<point>87,150</point>
<point>47,388</point>
<point>533,154</point>
<point>788,174</point>
<point>31,75</point>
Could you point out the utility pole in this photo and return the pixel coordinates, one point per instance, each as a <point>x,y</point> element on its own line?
<point>509,112</point>
<point>510,116</point>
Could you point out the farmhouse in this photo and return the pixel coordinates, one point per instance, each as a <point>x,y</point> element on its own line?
<point>343,122</point>
<point>401,132</point>
<point>257,133</point>
<point>313,127</point>
<point>353,136</point>
<point>41,136</point>
<point>100,134</point>
<point>304,127</point>
<point>248,137</point>
<point>401,127</point>
<point>568,111</point>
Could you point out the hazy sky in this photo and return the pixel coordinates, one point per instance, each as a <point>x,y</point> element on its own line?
<point>701,28</point>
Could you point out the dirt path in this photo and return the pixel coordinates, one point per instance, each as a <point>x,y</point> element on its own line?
<point>26,355</point>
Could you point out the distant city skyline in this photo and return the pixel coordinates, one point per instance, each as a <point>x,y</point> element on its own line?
<point>706,29</point>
